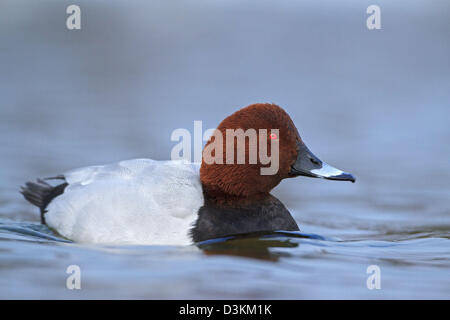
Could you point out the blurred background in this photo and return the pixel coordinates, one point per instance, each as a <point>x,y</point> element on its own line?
<point>375,103</point>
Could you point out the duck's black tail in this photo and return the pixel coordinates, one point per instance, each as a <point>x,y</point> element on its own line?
<point>40,193</point>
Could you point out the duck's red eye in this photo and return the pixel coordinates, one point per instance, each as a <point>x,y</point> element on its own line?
<point>273,136</point>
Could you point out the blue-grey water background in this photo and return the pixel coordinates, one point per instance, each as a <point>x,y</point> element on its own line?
<point>374,103</point>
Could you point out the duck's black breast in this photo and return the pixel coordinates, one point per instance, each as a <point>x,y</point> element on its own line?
<point>219,220</point>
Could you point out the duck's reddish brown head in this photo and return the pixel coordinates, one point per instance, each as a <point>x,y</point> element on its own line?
<point>246,180</point>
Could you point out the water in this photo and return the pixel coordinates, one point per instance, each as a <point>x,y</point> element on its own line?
<point>374,103</point>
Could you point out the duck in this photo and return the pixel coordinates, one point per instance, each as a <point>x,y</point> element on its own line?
<point>176,202</point>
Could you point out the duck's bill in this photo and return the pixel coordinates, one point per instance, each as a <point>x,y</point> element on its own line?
<point>307,164</point>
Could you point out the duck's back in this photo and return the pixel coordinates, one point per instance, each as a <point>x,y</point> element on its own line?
<point>138,201</point>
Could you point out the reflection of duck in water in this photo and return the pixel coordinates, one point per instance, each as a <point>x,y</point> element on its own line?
<point>144,201</point>
<point>257,245</point>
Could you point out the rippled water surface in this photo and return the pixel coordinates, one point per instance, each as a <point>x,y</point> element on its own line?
<point>374,103</point>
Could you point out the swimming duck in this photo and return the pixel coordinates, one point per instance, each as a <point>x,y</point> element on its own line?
<point>143,201</point>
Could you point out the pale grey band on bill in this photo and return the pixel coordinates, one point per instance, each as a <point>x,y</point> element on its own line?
<point>332,173</point>
<point>327,171</point>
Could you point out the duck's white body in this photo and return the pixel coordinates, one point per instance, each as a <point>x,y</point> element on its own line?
<point>138,201</point>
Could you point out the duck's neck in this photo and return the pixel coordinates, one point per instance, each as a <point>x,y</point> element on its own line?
<point>224,215</point>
